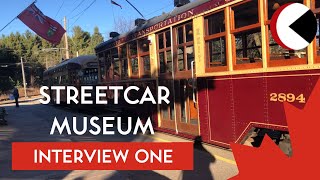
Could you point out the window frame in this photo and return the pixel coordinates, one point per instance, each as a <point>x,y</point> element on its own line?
<point>234,31</point>
<point>280,62</point>
<point>121,61</point>
<point>130,57</point>
<point>164,50</point>
<point>184,45</point>
<point>211,37</point>
<point>171,112</point>
<point>316,11</point>
<point>141,55</point>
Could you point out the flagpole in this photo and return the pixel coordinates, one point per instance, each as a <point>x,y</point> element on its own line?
<point>8,24</point>
<point>135,9</point>
<point>15,18</point>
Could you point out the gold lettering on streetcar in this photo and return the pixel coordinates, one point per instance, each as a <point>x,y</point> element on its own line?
<point>287,97</point>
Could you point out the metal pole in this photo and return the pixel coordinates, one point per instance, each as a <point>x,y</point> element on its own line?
<point>66,38</point>
<point>24,79</point>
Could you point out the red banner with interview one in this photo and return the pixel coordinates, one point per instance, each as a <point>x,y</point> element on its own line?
<point>102,156</point>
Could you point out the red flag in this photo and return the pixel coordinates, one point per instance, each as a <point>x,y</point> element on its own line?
<point>113,2</point>
<point>44,26</point>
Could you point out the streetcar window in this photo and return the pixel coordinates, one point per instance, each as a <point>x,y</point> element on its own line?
<point>185,54</point>
<point>189,32</point>
<point>216,49</point>
<point>160,41</point>
<point>116,64</point>
<point>124,62</point>
<point>247,33</point>
<point>162,62</point>
<point>133,48</point>
<point>215,40</point>
<point>181,64</point>
<point>146,65</point>
<point>167,110</point>
<point>144,57</point>
<point>168,38</point>
<point>215,23</point>
<point>190,56</point>
<point>116,67</point>
<point>144,45</point>
<point>169,61</point>
<point>135,66</point>
<point>133,52</point>
<point>273,5</point>
<point>164,52</point>
<point>248,47</point>
<point>276,52</point>
<point>180,35</point>
<point>246,14</point>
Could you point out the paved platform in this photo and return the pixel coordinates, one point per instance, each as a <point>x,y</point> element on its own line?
<point>32,123</point>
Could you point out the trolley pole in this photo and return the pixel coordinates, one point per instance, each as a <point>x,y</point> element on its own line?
<point>23,78</point>
<point>66,38</point>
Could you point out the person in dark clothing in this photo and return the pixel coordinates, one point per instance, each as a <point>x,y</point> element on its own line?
<point>16,96</point>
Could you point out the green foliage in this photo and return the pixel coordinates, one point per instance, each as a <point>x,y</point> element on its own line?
<point>38,54</point>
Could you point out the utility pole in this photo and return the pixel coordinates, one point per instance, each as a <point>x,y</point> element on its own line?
<point>66,38</point>
<point>24,79</point>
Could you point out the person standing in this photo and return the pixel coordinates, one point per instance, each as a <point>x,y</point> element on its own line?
<point>16,96</point>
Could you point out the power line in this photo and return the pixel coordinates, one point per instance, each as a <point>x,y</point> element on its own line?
<point>75,7</point>
<point>60,8</point>
<point>160,9</point>
<point>81,13</point>
<point>135,8</point>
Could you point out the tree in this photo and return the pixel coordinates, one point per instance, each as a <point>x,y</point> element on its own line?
<point>80,40</point>
<point>123,25</point>
<point>96,39</point>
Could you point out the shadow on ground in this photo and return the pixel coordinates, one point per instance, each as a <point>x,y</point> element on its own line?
<point>32,123</point>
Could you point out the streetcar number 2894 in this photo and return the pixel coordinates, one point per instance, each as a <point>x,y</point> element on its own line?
<point>283,97</point>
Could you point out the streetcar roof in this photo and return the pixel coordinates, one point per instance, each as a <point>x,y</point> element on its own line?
<point>81,60</point>
<point>155,20</point>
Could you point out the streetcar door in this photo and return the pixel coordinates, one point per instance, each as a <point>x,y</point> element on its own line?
<point>185,88</point>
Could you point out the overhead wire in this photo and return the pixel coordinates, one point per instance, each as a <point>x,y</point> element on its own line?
<point>59,9</point>
<point>159,9</point>
<point>81,13</point>
<point>76,7</point>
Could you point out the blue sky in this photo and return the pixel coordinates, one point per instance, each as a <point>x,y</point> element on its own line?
<point>101,13</point>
